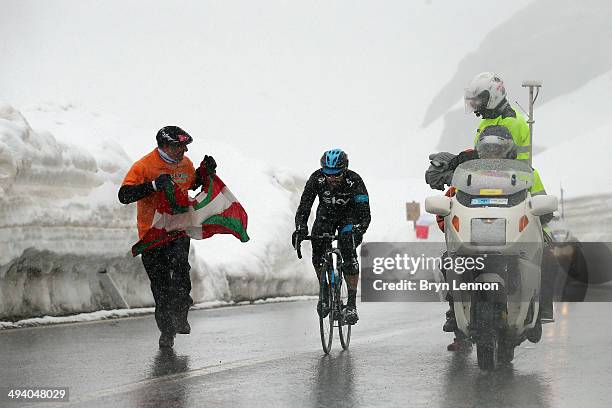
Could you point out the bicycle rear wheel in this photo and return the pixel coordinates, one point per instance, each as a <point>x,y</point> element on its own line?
<point>344,330</point>
<point>326,324</point>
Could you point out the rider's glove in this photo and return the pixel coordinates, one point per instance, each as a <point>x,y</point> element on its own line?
<point>207,168</point>
<point>440,160</point>
<point>436,179</point>
<point>162,182</point>
<point>438,174</point>
<point>358,231</point>
<point>300,233</point>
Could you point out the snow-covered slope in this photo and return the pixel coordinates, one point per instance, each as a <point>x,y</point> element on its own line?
<point>61,223</point>
<point>562,42</point>
<point>581,162</point>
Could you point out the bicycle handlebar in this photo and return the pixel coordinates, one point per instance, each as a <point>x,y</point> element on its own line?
<point>322,236</point>
<point>310,237</point>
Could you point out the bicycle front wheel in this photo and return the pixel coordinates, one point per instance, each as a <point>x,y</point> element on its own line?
<point>344,330</point>
<point>326,324</point>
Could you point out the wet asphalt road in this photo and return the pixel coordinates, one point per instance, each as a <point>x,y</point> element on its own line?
<point>270,355</point>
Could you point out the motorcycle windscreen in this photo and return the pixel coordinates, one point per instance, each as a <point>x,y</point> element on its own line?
<point>492,177</point>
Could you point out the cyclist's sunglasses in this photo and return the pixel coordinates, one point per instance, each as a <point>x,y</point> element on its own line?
<point>334,176</point>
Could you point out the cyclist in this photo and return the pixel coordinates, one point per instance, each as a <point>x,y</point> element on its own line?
<point>343,206</point>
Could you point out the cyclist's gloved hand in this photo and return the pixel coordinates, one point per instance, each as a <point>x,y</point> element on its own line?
<point>300,233</point>
<point>162,182</point>
<point>358,231</point>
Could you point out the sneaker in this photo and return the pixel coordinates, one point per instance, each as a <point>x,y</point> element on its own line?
<point>322,309</point>
<point>166,340</point>
<point>350,315</point>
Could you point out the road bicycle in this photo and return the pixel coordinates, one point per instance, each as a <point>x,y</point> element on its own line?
<point>337,295</point>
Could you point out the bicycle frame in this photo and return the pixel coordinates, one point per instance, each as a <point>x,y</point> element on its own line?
<point>333,278</point>
<point>331,268</point>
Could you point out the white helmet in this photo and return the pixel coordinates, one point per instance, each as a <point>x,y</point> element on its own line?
<point>486,91</point>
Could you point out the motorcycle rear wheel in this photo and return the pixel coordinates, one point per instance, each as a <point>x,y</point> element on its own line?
<point>487,354</point>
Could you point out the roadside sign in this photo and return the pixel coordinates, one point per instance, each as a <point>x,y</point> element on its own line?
<point>413,211</point>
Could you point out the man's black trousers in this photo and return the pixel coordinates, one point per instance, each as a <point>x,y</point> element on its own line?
<point>168,269</point>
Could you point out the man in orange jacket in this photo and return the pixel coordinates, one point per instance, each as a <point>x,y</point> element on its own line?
<point>167,266</point>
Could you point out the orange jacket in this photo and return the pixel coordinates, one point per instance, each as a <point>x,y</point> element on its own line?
<point>146,170</point>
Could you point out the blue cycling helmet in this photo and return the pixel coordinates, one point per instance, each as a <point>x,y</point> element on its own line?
<point>334,161</point>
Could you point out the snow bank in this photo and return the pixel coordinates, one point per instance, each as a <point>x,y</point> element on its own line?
<point>56,196</point>
<point>61,223</point>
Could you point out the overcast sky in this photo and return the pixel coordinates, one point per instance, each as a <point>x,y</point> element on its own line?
<point>283,80</point>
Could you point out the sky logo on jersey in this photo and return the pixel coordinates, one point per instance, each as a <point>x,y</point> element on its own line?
<point>334,200</point>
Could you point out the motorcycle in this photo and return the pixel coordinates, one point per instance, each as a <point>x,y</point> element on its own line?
<point>493,218</point>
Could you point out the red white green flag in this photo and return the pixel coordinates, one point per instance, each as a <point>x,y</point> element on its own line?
<point>214,210</point>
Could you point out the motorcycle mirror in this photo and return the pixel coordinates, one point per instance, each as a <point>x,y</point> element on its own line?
<point>543,204</point>
<point>438,205</point>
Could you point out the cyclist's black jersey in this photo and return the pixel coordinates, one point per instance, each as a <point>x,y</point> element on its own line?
<point>348,202</point>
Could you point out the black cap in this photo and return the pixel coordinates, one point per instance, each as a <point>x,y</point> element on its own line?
<point>172,135</point>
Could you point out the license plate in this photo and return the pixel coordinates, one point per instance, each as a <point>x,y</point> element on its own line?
<point>489,201</point>
<point>488,231</point>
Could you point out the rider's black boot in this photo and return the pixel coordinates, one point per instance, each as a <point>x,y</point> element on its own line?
<point>546,311</point>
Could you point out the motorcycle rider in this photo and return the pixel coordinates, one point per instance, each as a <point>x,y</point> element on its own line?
<point>495,142</point>
<point>486,97</point>
<point>343,206</point>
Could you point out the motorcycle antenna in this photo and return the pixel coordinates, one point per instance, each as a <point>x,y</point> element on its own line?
<point>562,203</point>
<point>531,84</point>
